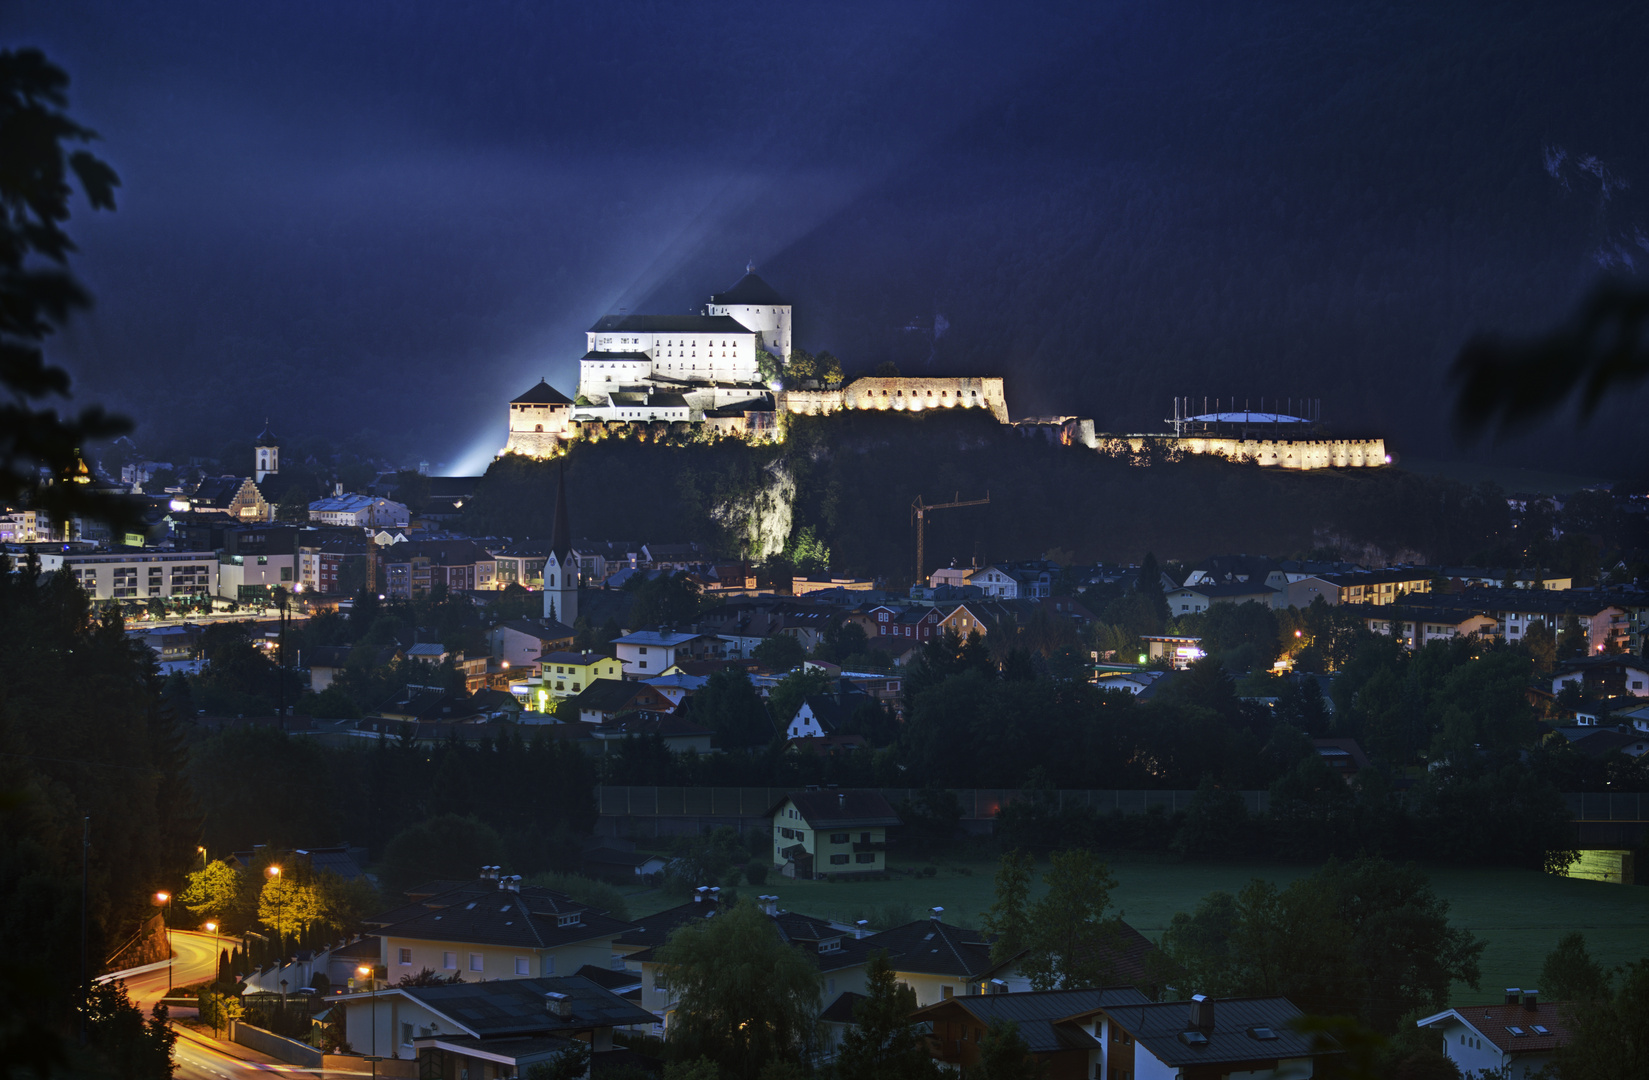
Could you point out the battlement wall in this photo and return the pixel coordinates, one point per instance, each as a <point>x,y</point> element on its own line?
<point>901,394</point>
<point>1284,453</point>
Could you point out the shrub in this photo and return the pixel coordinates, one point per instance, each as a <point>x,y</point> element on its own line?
<point>755,872</point>
<point>600,895</point>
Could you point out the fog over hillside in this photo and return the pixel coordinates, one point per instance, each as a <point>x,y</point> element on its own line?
<point>1108,204</point>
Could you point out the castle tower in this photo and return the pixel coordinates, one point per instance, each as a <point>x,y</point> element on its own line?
<point>561,570</point>
<point>266,454</point>
<point>538,421</point>
<point>757,305</point>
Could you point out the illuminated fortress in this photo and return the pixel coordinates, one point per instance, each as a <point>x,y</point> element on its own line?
<point>718,372</point>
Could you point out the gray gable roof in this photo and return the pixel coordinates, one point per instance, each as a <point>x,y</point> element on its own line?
<point>670,324</point>
<point>519,1007</point>
<point>481,913</point>
<point>1038,1013</point>
<point>1157,1027</point>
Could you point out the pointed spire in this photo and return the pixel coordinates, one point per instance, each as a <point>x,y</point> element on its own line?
<point>561,537</point>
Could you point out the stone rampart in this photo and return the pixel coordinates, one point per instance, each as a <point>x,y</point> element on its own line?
<point>1284,453</point>
<point>901,395</point>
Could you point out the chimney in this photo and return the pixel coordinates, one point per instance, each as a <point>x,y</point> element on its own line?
<point>998,986</point>
<point>700,893</point>
<point>715,894</point>
<point>488,873</point>
<point>558,1004</point>
<point>936,913</point>
<point>1531,1000</point>
<point>1202,1012</point>
<point>860,929</point>
<point>1513,994</point>
<point>841,800</point>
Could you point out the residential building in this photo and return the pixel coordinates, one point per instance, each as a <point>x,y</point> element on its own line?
<point>841,953</point>
<point>139,574</point>
<point>1417,626</point>
<point>940,961</point>
<point>1191,599</point>
<point>820,833</point>
<point>564,674</point>
<point>519,564</point>
<point>1604,676</point>
<point>493,927</point>
<point>652,652</point>
<point>1517,1039</point>
<point>802,585</point>
<point>1062,1029</point>
<point>1386,586</point>
<point>360,512</point>
<point>20,527</point>
<point>1253,1038</point>
<point>604,700</point>
<point>996,582</point>
<point>489,1029</point>
<point>522,641</point>
<point>1238,569</point>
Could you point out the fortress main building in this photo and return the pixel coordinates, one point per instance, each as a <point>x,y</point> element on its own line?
<point>722,371</point>
<point>708,370</point>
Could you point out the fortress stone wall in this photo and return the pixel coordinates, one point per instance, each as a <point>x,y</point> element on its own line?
<point>1286,453</point>
<point>901,394</point>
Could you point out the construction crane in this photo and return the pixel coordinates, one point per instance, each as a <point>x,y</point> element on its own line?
<point>919,515</point>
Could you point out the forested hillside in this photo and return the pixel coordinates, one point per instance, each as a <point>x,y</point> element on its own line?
<point>854,477</point>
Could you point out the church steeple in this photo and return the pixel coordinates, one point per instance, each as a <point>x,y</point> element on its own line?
<point>561,568</point>
<point>266,454</point>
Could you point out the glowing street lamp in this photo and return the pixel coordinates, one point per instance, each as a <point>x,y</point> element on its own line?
<point>274,873</point>
<point>212,926</point>
<point>165,899</point>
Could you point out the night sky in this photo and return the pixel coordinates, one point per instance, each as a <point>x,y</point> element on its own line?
<point>391,218</point>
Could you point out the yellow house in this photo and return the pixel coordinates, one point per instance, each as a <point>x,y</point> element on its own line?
<point>566,674</point>
<point>494,928</point>
<point>830,833</point>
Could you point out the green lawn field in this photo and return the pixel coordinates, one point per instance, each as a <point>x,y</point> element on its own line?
<point>1520,913</point>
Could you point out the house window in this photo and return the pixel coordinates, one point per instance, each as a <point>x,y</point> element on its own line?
<point>521,966</point>
<point>838,838</point>
<point>406,957</point>
<point>549,965</point>
<point>406,1034</point>
<point>449,961</point>
<point>864,838</point>
<point>476,962</point>
<point>838,860</point>
<point>865,857</point>
<point>947,992</point>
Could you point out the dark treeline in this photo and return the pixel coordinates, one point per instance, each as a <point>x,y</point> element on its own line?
<point>259,785</point>
<point>856,476</point>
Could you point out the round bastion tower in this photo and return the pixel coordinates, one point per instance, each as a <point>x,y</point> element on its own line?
<point>759,307</point>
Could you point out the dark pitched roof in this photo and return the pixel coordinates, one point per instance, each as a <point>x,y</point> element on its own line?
<point>750,289</point>
<point>542,394</point>
<point>831,947</point>
<point>931,947</point>
<point>616,695</point>
<point>1038,1014</point>
<point>840,1011</point>
<point>670,324</point>
<point>329,655</point>
<point>1236,588</point>
<point>267,436</point>
<point>1157,1027</point>
<point>840,809</point>
<point>555,631</point>
<point>517,1007</point>
<point>482,913</point>
<point>619,982</point>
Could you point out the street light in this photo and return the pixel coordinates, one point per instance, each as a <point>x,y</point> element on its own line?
<point>212,926</point>
<point>165,899</point>
<point>369,973</point>
<point>274,873</point>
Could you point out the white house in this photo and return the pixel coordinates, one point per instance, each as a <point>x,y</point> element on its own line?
<point>140,575</point>
<point>996,582</point>
<point>1194,598</point>
<point>1515,1039</point>
<point>360,511</point>
<point>652,652</point>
